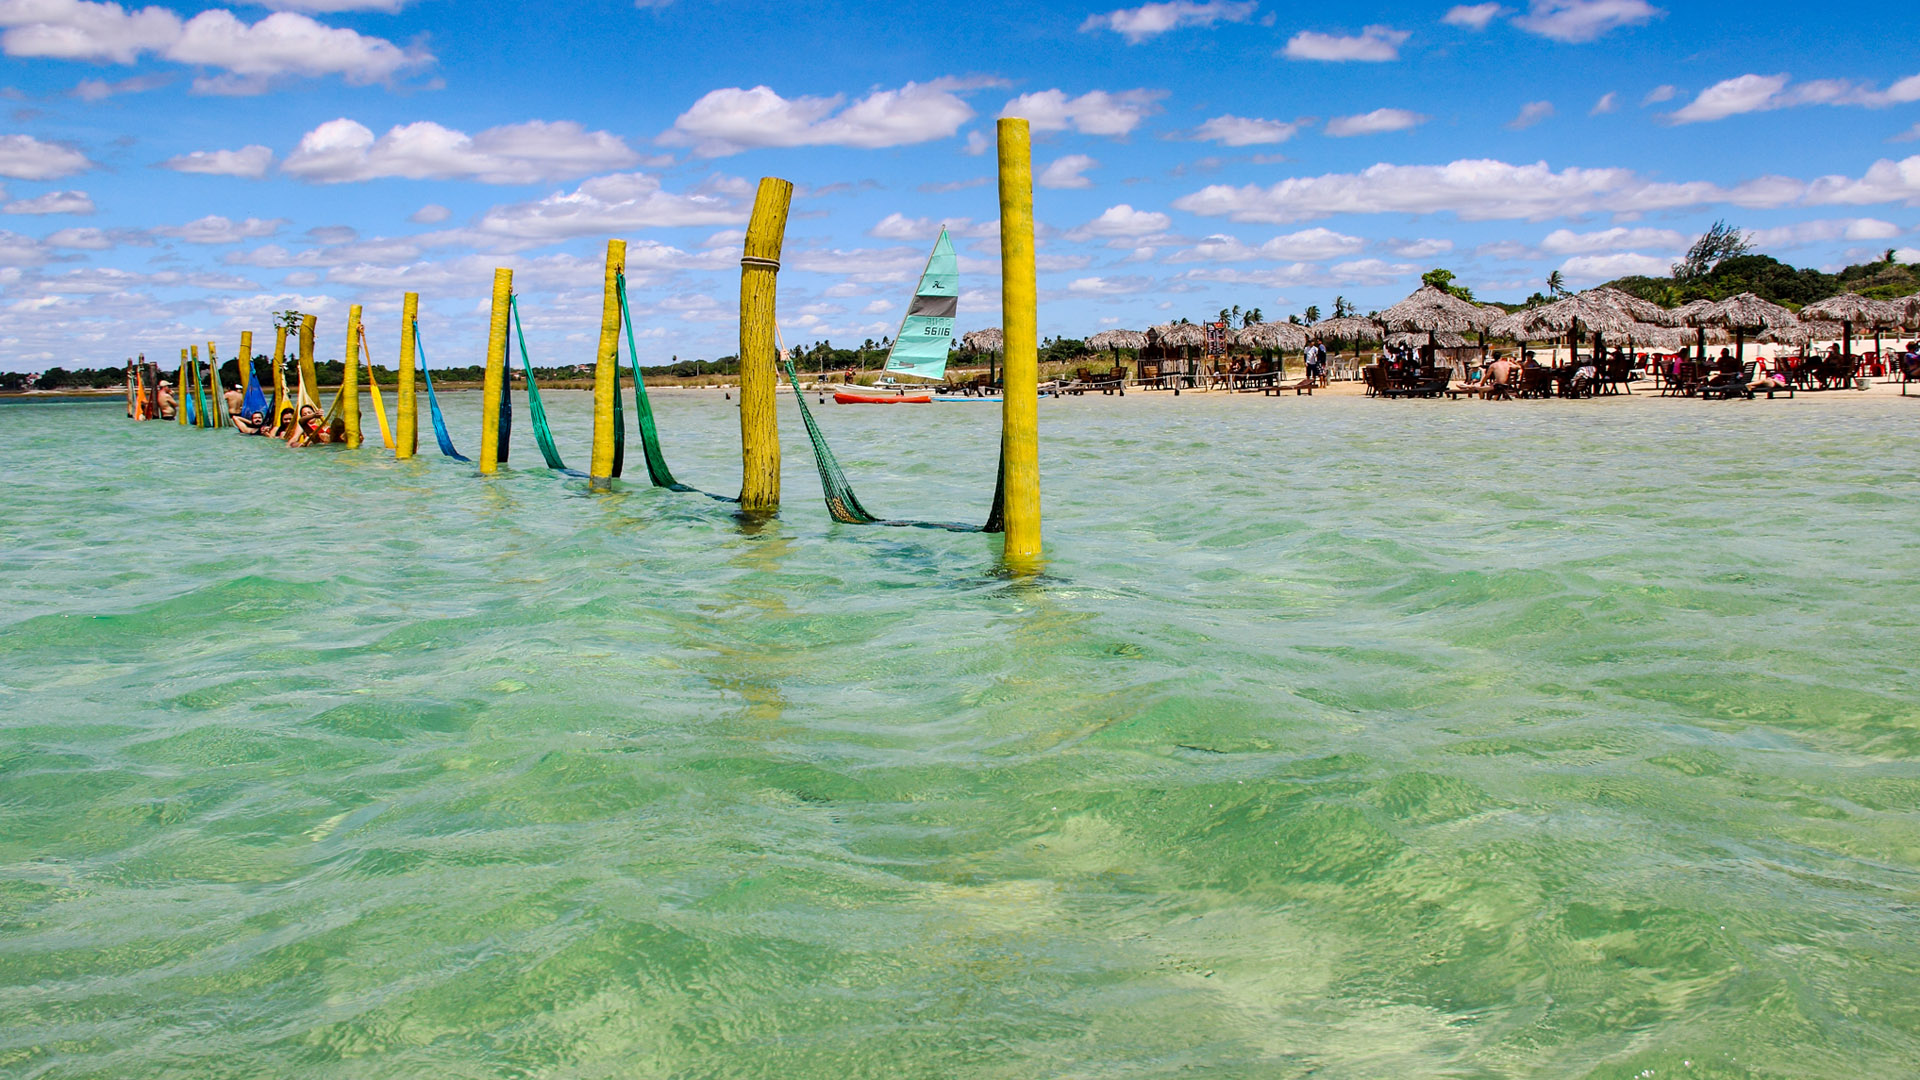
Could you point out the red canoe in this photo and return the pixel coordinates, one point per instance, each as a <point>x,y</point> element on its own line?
<point>844,398</point>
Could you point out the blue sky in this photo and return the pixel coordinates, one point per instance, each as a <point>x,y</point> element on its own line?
<point>174,173</point>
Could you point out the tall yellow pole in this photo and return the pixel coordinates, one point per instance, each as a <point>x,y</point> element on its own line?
<point>246,362</point>
<point>200,404</point>
<point>759,368</point>
<point>181,388</point>
<point>1019,321</point>
<point>279,369</point>
<point>496,381</point>
<point>406,433</point>
<point>216,405</point>
<point>350,379</point>
<point>606,369</point>
<point>308,376</point>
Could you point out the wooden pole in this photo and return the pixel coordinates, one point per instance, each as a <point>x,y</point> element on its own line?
<point>606,369</point>
<point>350,379</point>
<point>217,404</point>
<point>496,381</point>
<point>406,432</point>
<point>279,370</point>
<point>180,391</point>
<point>759,368</point>
<point>307,372</point>
<point>1020,370</point>
<point>247,375</point>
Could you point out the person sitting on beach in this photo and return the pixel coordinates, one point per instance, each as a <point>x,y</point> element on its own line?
<point>167,403</point>
<point>1503,372</point>
<point>1581,382</point>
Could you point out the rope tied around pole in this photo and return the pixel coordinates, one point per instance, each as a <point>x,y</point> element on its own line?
<point>760,261</point>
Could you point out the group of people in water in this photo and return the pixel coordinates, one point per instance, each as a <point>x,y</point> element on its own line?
<point>305,426</point>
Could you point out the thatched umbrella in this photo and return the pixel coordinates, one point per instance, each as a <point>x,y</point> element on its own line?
<point>1743,313</point>
<point>1177,335</point>
<point>1850,308</point>
<point>1271,335</point>
<point>1444,339</point>
<point>1432,310</point>
<point>1801,334</point>
<point>989,341</point>
<point>1601,311</point>
<point>1351,329</point>
<point>1115,340</point>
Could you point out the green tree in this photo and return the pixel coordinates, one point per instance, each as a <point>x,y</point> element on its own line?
<point>1312,314</point>
<point>1251,317</point>
<point>1556,284</point>
<point>1718,244</point>
<point>1341,308</point>
<point>1443,279</point>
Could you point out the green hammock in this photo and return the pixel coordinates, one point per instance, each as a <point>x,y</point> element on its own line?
<point>542,434</point>
<point>657,470</point>
<point>844,506</point>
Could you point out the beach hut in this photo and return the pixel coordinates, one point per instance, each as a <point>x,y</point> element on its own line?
<point>1432,311</point>
<point>988,341</point>
<point>1172,344</point>
<point>1850,310</point>
<point>1275,337</point>
<point>1115,340</point>
<point>1743,314</point>
<point>1351,330</point>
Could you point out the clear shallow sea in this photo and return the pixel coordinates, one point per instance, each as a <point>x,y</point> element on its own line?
<point>1343,739</point>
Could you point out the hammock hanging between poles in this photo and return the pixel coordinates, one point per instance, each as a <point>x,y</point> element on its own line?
<point>844,506</point>
<point>657,471</point>
<point>373,387</point>
<point>433,403</point>
<point>542,434</point>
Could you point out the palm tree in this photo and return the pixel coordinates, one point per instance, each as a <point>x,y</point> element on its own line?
<point>1556,284</point>
<point>1341,309</point>
<point>1251,317</point>
<point>1312,313</point>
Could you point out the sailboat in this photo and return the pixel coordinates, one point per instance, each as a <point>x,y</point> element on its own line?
<point>920,348</point>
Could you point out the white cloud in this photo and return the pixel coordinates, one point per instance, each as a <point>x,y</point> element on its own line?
<point>1823,231</point>
<point>18,250</point>
<point>1419,249</point>
<point>1663,92</point>
<point>898,226</point>
<point>730,120</point>
<point>1609,102</point>
<point>1761,93</point>
<point>1530,114</point>
<point>91,90</point>
<point>1568,242</point>
<point>1584,20</point>
<point>1908,135</point>
<point>1245,131</point>
<point>328,7</point>
<point>1067,172</point>
<point>612,204</point>
<point>1147,20</point>
<point>1473,16</point>
<point>430,214</point>
<point>1096,112</point>
<point>23,157</point>
<point>1883,182</point>
<point>1122,221</point>
<point>978,142</point>
<point>1375,44</point>
<point>214,229</point>
<point>1308,245</point>
<point>281,44</point>
<point>92,239</point>
<point>1103,286</point>
<point>1474,190</point>
<point>250,162</point>
<point>1375,122</point>
<point>1608,267</point>
<point>343,150</point>
<point>53,202</point>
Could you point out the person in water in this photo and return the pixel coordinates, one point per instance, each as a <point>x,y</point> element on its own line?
<point>308,428</point>
<point>251,423</point>
<point>167,403</point>
<point>234,400</point>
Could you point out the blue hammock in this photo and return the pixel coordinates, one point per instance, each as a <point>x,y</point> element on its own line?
<point>433,403</point>
<point>255,400</point>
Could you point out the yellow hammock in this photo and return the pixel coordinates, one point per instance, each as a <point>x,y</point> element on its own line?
<point>379,406</point>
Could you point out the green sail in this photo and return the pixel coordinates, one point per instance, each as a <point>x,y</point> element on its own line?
<point>920,348</point>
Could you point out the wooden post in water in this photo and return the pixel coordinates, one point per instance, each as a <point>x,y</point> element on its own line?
<point>1020,368</point>
<point>406,431</point>
<point>216,404</point>
<point>606,369</point>
<point>350,379</point>
<point>199,402</point>
<point>308,374</point>
<point>279,369</point>
<point>180,390</point>
<point>247,375</point>
<point>759,367</point>
<point>496,381</point>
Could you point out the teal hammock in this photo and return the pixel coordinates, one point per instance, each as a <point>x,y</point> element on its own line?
<point>537,410</point>
<point>657,470</point>
<point>433,403</point>
<point>844,506</point>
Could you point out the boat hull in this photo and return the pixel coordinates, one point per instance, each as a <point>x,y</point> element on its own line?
<point>844,398</point>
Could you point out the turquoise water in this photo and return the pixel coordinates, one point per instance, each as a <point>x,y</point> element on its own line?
<point>1342,739</point>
